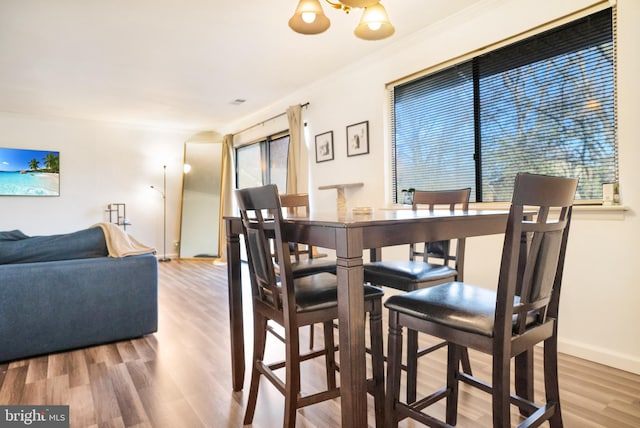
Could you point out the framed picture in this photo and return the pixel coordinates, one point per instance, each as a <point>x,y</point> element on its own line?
<point>29,172</point>
<point>324,147</point>
<point>358,139</point>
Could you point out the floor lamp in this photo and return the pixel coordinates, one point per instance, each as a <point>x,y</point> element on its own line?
<point>164,216</point>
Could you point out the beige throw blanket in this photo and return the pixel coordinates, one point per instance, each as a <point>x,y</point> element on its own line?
<point>120,243</point>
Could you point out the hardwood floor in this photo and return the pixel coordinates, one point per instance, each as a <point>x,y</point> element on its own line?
<point>180,376</point>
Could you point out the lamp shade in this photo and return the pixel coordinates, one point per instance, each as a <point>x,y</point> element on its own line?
<point>359,3</point>
<point>309,18</point>
<point>374,24</point>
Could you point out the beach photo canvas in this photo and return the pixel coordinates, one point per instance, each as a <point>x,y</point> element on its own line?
<point>29,172</point>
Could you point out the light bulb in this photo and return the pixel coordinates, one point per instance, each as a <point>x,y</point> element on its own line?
<point>308,17</point>
<point>374,26</point>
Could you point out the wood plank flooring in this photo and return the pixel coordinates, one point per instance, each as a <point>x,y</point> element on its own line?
<point>180,376</point>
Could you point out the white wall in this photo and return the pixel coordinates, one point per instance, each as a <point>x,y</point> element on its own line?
<point>601,292</point>
<point>99,164</point>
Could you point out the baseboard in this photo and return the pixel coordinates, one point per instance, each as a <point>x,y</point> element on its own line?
<point>600,355</point>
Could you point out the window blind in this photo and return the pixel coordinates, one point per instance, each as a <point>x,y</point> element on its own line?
<point>545,104</point>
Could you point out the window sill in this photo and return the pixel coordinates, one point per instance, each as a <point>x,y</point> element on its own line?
<point>590,211</point>
<point>582,211</point>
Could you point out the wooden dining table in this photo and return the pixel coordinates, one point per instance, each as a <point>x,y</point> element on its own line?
<point>350,234</point>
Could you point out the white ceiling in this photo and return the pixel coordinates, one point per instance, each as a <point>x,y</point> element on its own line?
<point>176,63</point>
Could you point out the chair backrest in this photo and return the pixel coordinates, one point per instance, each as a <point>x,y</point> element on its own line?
<point>531,269</point>
<point>297,204</point>
<point>262,222</point>
<point>441,199</point>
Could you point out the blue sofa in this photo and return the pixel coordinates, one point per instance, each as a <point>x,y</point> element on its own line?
<point>56,305</point>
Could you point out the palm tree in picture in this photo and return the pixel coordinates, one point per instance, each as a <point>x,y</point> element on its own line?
<point>34,164</point>
<point>52,162</point>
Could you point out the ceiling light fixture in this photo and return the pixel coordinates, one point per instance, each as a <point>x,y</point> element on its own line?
<point>309,18</point>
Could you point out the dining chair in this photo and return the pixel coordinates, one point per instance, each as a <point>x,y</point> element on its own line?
<point>293,303</point>
<point>429,264</point>
<point>298,204</point>
<point>509,321</point>
<point>310,263</point>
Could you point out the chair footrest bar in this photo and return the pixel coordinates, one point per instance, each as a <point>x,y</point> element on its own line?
<point>540,416</point>
<point>405,411</point>
<point>475,382</point>
<point>277,335</point>
<point>311,355</point>
<point>526,405</point>
<point>431,348</point>
<point>430,399</point>
<point>318,397</point>
<point>266,371</point>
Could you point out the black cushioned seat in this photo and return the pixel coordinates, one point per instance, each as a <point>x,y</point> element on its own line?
<point>406,275</point>
<point>320,291</point>
<point>312,266</point>
<point>454,304</point>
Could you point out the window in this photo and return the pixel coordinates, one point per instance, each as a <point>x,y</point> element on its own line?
<point>544,105</point>
<point>263,162</point>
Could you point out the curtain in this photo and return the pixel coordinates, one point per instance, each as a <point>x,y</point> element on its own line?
<point>226,193</point>
<point>294,116</point>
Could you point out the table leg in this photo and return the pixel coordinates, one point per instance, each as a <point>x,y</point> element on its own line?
<point>524,375</point>
<point>353,388</point>
<point>236,326</point>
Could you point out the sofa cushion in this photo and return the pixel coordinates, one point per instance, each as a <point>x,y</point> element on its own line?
<point>12,235</point>
<point>83,244</point>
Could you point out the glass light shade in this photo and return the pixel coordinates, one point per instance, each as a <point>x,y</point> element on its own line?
<point>299,21</point>
<point>374,24</point>
<point>359,3</point>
